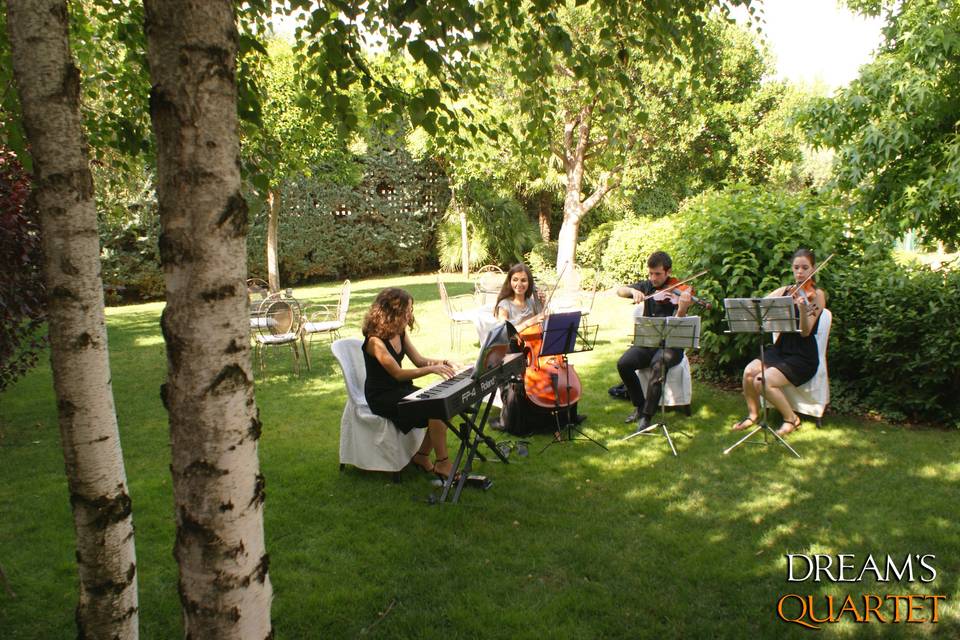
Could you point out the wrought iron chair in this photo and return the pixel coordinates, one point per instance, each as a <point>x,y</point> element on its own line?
<point>257,291</point>
<point>325,321</point>
<point>489,280</point>
<point>458,316</point>
<point>278,323</point>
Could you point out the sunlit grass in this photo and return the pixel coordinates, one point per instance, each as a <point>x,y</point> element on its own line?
<point>573,542</point>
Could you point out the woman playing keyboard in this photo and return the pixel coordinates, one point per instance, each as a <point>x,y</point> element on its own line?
<point>385,344</point>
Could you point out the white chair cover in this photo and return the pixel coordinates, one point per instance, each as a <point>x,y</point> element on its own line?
<point>678,390</point>
<point>812,397</point>
<point>368,441</point>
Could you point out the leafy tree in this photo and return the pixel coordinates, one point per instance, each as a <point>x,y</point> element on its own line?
<point>896,128</point>
<point>22,296</point>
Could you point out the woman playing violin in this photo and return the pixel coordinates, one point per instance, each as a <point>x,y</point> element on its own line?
<point>384,346</point>
<point>794,358</point>
<point>660,299</point>
<point>518,301</point>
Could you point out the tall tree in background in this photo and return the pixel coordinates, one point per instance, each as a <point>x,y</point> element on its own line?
<point>218,490</point>
<point>49,86</point>
<point>896,128</point>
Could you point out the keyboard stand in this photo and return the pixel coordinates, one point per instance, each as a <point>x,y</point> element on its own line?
<point>469,446</point>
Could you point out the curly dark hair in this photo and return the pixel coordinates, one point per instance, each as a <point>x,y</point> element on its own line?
<point>387,316</point>
<point>506,291</point>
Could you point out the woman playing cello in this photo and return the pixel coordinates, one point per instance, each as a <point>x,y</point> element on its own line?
<point>794,358</point>
<point>518,301</point>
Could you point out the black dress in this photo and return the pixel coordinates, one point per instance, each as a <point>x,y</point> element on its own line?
<point>383,391</point>
<point>794,356</point>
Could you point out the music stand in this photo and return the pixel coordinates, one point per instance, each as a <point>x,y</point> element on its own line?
<point>759,316</point>
<point>665,332</point>
<point>560,333</point>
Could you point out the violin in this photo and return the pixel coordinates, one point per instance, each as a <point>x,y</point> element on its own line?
<point>806,289</point>
<point>672,289</point>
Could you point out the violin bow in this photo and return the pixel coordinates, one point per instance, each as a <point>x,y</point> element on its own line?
<point>798,287</point>
<point>556,285</point>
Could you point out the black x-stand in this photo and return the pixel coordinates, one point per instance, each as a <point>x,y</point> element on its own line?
<point>560,333</point>
<point>760,315</point>
<point>663,333</point>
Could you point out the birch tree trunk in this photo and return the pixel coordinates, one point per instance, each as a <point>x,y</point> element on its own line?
<point>224,586</point>
<point>49,86</point>
<point>273,271</point>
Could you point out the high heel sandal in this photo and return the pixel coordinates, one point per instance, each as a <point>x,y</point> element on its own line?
<point>422,467</point>
<point>789,427</point>
<point>436,472</point>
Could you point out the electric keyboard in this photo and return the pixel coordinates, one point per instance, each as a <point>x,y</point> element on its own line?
<point>448,398</point>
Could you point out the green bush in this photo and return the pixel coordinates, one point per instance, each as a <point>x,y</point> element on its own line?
<point>630,243</point>
<point>499,229</point>
<point>893,344</point>
<point>385,224</point>
<point>130,254</point>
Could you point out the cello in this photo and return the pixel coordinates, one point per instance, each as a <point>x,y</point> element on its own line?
<point>551,385</point>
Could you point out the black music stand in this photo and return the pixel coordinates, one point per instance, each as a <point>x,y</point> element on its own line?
<point>665,332</point>
<point>759,316</point>
<point>560,334</point>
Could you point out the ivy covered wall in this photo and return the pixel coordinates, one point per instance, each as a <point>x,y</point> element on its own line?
<point>386,223</point>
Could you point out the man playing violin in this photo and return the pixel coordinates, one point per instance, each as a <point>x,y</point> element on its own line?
<point>660,299</point>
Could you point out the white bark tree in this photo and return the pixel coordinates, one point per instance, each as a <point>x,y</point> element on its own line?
<point>225,590</point>
<point>49,85</point>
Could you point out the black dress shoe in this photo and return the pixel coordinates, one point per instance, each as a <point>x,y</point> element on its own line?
<point>496,425</point>
<point>580,419</point>
<point>643,422</point>
<point>633,417</point>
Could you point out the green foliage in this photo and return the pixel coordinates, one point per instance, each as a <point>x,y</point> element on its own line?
<point>542,259</point>
<point>498,228</point>
<point>895,128</point>
<point>22,291</point>
<point>384,224</point>
<point>630,242</point>
<point>744,238</point>
<point>896,347</point>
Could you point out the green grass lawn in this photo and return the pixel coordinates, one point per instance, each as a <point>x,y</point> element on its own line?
<point>575,542</point>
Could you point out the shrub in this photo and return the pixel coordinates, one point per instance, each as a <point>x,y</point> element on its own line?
<point>22,299</point>
<point>498,228</point>
<point>896,344</point>
<point>893,344</point>
<point>630,243</point>
<point>385,224</point>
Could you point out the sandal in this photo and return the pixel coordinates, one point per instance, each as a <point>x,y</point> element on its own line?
<point>744,424</point>
<point>788,427</point>
<point>423,467</point>
<point>437,472</point>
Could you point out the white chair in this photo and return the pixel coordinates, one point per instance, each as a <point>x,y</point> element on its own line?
<point>812,397</point>
<point>678,391</point>
<point>459,318</point>
<point>368,441</point>
<point>326,321</point>
<point>678,387</point>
